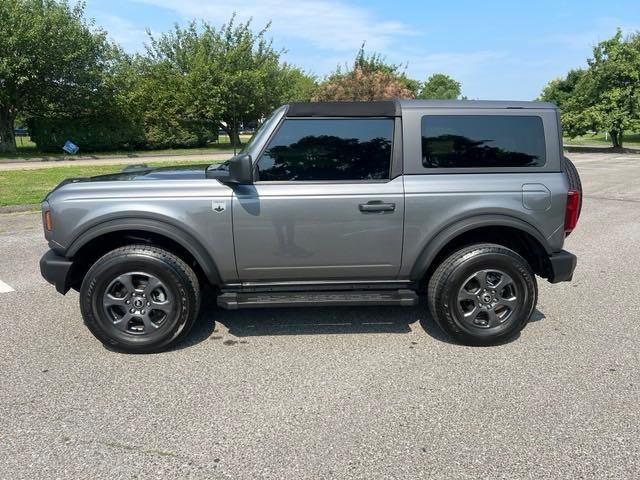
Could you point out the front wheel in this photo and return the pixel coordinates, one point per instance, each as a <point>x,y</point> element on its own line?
<point>139,299</point>
<point>483,294</point>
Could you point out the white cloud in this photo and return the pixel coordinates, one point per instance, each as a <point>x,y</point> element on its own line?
<point>457,64</point>
<point>131,37</point>
<point>326,24</point>
<point>604,28</point>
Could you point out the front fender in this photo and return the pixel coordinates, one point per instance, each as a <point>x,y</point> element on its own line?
<point>159,227</point>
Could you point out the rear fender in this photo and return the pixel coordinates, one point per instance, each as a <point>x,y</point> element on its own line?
<point>440,241</point>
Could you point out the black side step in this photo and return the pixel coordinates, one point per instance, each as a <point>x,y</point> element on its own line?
<point>234,301</point>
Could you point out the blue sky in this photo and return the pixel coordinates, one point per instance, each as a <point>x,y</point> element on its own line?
<point>497,49</point>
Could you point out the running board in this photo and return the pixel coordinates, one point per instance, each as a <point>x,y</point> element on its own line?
<point>235,301</point>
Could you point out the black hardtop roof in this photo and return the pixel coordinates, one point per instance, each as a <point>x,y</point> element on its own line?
<point>393,108</point>
<point>344,109</point>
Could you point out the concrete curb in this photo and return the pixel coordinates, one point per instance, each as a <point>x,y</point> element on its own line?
<point>597,149</point>
<point>20,208</point>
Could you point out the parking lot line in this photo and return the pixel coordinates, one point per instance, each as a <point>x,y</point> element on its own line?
<point>4,288</point>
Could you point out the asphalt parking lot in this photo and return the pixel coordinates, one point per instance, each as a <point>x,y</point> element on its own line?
<point>336,393</point>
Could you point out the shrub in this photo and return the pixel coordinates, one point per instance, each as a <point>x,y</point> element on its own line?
<point>91,134</point>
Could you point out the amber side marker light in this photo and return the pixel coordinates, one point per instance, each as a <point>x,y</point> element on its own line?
<point>46,220</point>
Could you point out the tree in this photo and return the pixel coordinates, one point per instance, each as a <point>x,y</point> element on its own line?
<point>560,90</point>
<point>440,86</point>
<point>370,78</point>
<point>607,96</point>
<point>158,97</point>
<point>301,87</point>
<point>52,62</point>
<point>231,75</point>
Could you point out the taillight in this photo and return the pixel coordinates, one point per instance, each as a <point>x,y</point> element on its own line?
<point>571,212</point>
<point>46,220</point>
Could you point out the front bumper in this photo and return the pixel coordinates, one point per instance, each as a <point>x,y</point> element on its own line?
<point>55,270</point>
<point>562,265</point>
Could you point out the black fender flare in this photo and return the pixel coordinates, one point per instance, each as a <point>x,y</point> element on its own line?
<point>437,243</point>
<point>159,227</point>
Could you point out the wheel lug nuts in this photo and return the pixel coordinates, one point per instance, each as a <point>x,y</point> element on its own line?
<point>132,311</point>
<point>128,302</point>
<point>148,304</point>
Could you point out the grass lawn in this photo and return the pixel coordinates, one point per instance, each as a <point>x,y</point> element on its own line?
<point>27,150</point>
<point>630,140</point>
<point>26,187</point>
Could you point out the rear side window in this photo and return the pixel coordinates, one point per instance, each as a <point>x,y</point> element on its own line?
<point>476,141</point>
<point>329,149</point>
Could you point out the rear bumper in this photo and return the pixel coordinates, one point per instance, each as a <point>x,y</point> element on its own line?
<point>55,270</point>
<point>562,264</point>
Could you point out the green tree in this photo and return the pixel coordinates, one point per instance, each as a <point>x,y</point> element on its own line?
<point>607,96</point>
<point>300,86</point>
<point>230,75</point>
<point>52,62</point>
<point>560,90</point>
<point>440,86</point>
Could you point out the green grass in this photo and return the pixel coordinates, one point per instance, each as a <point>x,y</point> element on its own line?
<point>26,187</point>
<point>598,139</point>
<point>27,150</point>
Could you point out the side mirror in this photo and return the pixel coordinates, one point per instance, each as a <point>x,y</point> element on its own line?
<point>237,171</point>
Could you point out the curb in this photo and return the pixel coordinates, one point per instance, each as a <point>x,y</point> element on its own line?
<point>597,149</point>
<point>20,208</point>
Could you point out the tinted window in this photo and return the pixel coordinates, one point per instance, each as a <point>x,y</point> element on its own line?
<point>472,141</point>
<point>349,149</point>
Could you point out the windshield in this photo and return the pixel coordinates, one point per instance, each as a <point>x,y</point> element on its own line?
<point>260,132</point>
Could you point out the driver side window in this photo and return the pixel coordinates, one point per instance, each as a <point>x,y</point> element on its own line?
<point>329,149</point>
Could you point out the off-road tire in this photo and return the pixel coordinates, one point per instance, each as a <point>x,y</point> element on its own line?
<point>450,277</point>
<point>176,276</point>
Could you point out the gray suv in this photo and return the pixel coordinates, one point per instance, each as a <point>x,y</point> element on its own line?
<point>348,203</point>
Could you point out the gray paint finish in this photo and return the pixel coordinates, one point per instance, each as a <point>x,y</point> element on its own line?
<point>435,202</point>
<point>308,230</point>
<point>317,231</point>
<point>185,204</point>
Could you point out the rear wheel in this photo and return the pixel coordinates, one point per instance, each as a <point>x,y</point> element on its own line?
<point>483,294</point>
<point>139,299</point>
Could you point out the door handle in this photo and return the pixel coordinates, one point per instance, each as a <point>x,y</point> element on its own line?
<point>376,206</point>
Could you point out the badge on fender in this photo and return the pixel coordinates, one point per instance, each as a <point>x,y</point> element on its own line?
<point>218,207</point>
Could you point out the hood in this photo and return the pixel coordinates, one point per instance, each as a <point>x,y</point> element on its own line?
<point>142,172</point>
<point>178,172</point>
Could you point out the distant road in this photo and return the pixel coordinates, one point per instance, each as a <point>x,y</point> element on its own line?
<point>116,160</point>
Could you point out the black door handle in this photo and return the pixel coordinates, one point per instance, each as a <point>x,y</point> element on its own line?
<point>377,206</point>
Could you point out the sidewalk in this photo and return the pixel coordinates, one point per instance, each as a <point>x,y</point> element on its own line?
<point>115,160</point>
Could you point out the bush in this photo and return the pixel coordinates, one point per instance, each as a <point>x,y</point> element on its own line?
<point>100,134</point>
<point>172,133</point>
<point>89,133</point>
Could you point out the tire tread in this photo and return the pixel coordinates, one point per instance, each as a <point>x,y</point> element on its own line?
<point>184,271</point>
<point>438,283</point>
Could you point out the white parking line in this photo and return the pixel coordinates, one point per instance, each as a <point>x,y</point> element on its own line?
<point>4,288</point>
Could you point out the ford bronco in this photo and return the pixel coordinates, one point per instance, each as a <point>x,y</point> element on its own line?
<point>346,203</point>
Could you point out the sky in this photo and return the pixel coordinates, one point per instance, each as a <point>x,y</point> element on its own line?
<point>499,50</point>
